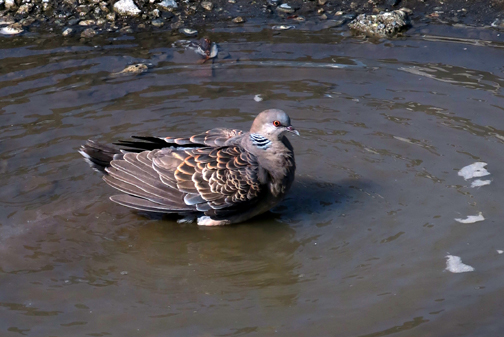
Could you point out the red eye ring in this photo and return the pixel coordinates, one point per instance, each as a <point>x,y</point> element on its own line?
<point>277,123</point>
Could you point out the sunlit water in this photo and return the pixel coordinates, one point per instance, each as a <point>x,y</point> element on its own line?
<point>359,246</point>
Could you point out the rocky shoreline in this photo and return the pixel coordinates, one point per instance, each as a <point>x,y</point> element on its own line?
<point>88,18</point>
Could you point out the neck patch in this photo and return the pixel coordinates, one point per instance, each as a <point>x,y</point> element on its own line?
<point>260,141</point>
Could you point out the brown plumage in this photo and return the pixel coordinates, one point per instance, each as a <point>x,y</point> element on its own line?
<point>228,175</point>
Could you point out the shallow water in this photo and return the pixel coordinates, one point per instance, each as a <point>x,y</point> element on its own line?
<point>357,249</point>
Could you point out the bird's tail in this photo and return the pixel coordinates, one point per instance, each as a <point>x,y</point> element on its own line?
<point>99,156</point>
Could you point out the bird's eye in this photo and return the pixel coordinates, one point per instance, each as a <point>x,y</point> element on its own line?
<point>277,123</point>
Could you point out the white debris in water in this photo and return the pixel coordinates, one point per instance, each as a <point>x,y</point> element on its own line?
<point>476,169</point>
<point>454,265</point>
<point>126,7</point>
<point>282,27</point>
<point>258,98</point>
<point>471,218</point>
<point>500,251</point>
<point>479,183</point>
<point>285,6</point>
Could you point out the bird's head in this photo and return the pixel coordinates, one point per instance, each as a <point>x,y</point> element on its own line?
<point>272,124</point>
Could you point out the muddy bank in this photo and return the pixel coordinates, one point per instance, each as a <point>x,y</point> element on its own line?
<point>88,18</point>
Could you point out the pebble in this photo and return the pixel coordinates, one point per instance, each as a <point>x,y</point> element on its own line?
<point>10,4</point>
<point>258,98</point>
<point>24,9</point>
<point>111,16</point>
<point>385,24</point>
<point>133,69</point>
<point>127,7</point>
<point>285,8</point>
<point>238,19</point>
<point>207,5</point>
<point>67,32</point>
<point>339,13</point>
<point>167,5</point>
<point>322,2</point>
<point>87,23</point>
<point>13,29</point>
<point>88,33</point>
<point>157,22</point>
<point>188,31</point>
<point>6,20</point>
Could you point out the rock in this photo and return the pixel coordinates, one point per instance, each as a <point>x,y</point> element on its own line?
<point>188,31</point>
<point>238,19</point>
<point>133,69</point>
<point>127,8</point>
<point>83,9</point>
<point>126,30</point>
<point>285,8</point>
<point>87,23</point>
<point>167,5</point>
<point>323,17</point>
<point>339,13</point>
<point>101,22</point>
<point>322,2</point>
<point>24,9</point>
<point>10,4</point>
<point>157,23</point>
<point>67,32</point>
<point>13,29</point>
<point>207,5</point>
<point>111,16</point>
<point>232,1</point>
<point>6,20</point>
<point>88,33</point>
<point>386,24</point>
<point>103,7</point>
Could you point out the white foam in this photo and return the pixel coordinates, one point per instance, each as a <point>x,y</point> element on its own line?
<point>471,218</point>
<point>500,251</point>
<point>474,170</point>
<point>454,265</point>
<point>258,98</point>
<point>479,183</point>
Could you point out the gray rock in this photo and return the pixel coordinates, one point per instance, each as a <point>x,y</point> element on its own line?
<point>207,5</point>
<point>238,19</point>
<point>67,32</point>
<point>10,4</point>
<point>87,23</point>
<point>285,8</point>
<point>127,8</point>
<point>88,33</point>
<point>157,23</point>
<point>386,24</point>
<point>167,5</point>
<point>24,9</point>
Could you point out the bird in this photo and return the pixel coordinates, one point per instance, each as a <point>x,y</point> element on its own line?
<point>221,176</point>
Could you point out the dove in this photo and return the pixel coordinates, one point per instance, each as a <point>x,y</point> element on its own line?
<point>221,176</point>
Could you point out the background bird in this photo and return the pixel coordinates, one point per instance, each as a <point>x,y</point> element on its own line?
<point>223,176</point>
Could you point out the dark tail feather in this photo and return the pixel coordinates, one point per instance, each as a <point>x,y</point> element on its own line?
<point>99,156</point>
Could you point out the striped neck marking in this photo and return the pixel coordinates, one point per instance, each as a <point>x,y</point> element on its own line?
<point>260,141</point>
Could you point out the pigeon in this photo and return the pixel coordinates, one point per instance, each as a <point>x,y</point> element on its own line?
<point>222,176</point>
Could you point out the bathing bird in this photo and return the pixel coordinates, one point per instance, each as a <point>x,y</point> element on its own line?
<point>221,176</point>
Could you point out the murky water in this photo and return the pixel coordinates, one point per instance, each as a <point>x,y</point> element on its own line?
<point>357,249</point>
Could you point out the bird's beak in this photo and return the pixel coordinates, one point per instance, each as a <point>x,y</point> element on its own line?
<point>291,129</point>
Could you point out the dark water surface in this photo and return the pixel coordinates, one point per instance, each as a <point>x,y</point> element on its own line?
<point>357,249</point>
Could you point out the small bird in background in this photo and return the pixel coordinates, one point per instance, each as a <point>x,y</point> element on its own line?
<point>222,176</point>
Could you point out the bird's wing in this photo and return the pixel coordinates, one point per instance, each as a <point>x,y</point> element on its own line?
<point>218,181</point>
<point>212,138</point>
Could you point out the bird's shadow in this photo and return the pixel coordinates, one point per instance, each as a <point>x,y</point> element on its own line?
<point>308,196</point>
